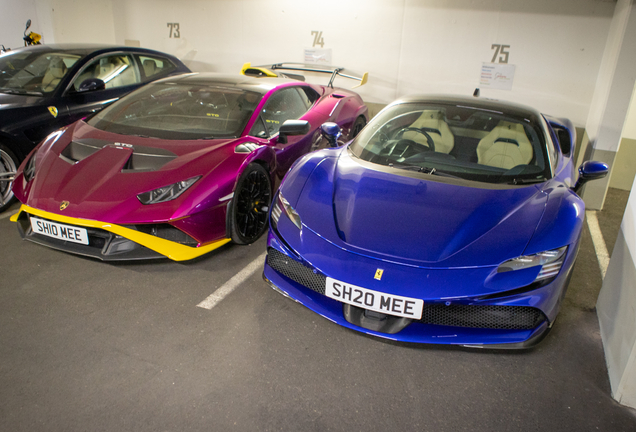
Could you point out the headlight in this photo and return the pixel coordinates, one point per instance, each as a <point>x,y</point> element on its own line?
<point>166,193</point>
<point>29,169</point>
<point>551,262</point>
<point>282,206</point>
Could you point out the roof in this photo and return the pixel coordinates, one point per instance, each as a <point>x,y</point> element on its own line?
<point>84,49</point>
<point>471,101</point>
<point>259,85</point>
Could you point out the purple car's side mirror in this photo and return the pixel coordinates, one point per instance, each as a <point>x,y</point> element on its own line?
<point>293,127</point>
<point>590,170</point>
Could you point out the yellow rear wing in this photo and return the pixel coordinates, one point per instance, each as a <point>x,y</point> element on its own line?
<point>268,71</point>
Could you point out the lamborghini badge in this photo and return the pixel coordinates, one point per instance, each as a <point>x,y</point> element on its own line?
<point>378,274</point>
<point>53,111</point>
<point>64,205</point>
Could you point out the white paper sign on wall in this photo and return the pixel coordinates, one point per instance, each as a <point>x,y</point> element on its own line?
<point>497,76</point>
<point>318,56</point>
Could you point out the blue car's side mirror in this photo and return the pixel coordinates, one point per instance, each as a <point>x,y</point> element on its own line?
<point>590,170</point>
<point>331,131</point>
<point>91,84</point>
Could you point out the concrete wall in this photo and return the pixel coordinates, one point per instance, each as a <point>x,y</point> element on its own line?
<point>616,309</point>
<point>611,100</point>
<point>13,17</point>
<point>624,170</point>
<point>407,46</point>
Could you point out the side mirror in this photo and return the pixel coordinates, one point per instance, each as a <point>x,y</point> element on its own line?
<point>590,170</point>
<point>292,127</point>
<point>332,132</point>
<point>91,84</point>
<point>28,24</point>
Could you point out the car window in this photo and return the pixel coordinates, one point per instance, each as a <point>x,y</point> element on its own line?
<point>304,98</point>
<point>259,129</point>
<point>153,65</point>
<point>552,151</point>
<point>34,73</point>
<point>285,104</point>
<point>116,70</point>
<point>180,111</point>
<point>472,142</point>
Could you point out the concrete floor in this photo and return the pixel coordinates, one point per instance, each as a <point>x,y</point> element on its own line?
<point>92,346</point>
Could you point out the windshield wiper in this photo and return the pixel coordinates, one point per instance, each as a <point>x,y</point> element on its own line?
<point>416,168</point>
<point>20,92</point>
<point>425,170</point>
<point>523,181</point>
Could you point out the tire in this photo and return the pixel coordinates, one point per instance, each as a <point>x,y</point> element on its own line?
<point>9,164</point>
<point>360,123</point>
<point>250,205</point>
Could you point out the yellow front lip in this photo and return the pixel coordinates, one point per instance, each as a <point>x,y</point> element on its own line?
<point>172,250</point>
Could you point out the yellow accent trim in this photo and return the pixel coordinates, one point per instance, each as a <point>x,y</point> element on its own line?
<point>363,81</point>
<point>267,72</point>
<point>172,250</point>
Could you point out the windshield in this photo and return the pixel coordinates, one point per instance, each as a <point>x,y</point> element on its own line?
<point>34,73</point>
<point>180,111</point>
<point>449,139</point>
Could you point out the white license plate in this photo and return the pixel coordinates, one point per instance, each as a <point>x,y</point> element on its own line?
<point>59,231</point>
<point>374,300</point>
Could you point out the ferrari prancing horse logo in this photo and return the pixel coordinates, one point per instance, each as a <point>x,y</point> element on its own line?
<point>64,205</point>
<point>53,111</point>
<point>378,274</point>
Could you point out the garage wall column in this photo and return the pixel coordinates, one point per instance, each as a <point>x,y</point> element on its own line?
<point>616,309</point>
<point>611,98</point>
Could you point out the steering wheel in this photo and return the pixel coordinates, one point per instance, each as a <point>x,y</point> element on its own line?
<point>429,140</point>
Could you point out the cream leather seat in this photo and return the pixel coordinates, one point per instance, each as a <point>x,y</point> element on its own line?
<point>115,72</point>
<point>506,146</point>
<point>441,133</point>
<point>150,67</point>
<point>53,75</point>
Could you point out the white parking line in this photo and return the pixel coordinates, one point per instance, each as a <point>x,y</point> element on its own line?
<point>229,286</point>
<point>598,241</point>
<point>8,214</point>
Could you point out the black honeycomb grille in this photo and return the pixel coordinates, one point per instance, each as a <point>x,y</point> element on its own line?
<point>296,271</point>
<point>474,316</point>
<point>490,317</point>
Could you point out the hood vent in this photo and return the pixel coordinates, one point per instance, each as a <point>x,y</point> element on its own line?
<point>77,151</point>
<point>142,159</point>
<point>145,159</point>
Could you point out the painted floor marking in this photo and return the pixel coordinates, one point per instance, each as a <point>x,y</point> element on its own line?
<point>229,286</point>
<point>599,243</point>
<point>8,214</point>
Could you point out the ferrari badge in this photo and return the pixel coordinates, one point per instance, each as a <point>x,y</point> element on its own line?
<point>53,111</point>
<point>378,274</point>
<point>64,205</point>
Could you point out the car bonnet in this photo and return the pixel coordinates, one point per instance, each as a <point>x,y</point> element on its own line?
<point>418,220</point>
<point>97,173</point>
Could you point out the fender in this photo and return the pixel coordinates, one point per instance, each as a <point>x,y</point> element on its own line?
<point>563,216</point>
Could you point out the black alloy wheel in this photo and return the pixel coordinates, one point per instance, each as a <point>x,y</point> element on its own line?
<point>359,124</point>
<point>250,205</point>
<point>9,164</point>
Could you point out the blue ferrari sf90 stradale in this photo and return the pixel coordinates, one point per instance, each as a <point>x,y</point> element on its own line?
<point>446,220</point>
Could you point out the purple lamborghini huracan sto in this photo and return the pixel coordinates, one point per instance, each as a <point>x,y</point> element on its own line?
<point>177,168</point>
<point>446,220</point>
